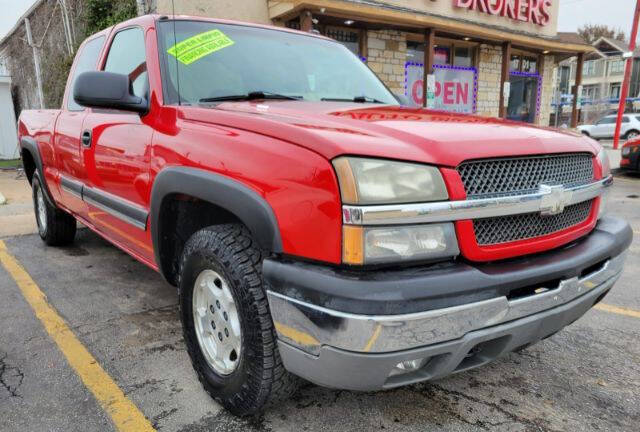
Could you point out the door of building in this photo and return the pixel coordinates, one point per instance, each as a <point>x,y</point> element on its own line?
<point>523,99</point>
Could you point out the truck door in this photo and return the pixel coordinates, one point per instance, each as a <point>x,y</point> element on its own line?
<point>68,130</point>
<point>116,154</point>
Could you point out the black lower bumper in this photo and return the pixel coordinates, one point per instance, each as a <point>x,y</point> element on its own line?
<point>385,329</point>
<point>443,285</point>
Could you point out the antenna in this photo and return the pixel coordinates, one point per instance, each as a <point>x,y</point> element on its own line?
<point>175,43</point>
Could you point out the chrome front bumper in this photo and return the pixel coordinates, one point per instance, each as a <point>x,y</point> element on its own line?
<point>309,327</point>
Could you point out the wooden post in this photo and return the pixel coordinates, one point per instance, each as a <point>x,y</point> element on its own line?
<point>504,76</point>
<point>363,43</point>
<point>429,42</point>
<point>306,21</point>
<point>574,112</point>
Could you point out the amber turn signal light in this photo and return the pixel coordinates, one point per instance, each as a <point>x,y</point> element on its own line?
<point>352,245</point>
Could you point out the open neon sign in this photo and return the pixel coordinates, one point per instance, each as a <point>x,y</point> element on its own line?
<point>533,11</point>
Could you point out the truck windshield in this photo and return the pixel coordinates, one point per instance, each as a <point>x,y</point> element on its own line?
<point>210,63</point>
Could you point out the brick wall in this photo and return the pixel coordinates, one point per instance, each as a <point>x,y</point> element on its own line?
<point>489,71</point>
<point>387,54</point>
<point>546,97</point>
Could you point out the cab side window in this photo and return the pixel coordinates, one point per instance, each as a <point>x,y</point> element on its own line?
<point>127,56</point>
<point>87,61</point>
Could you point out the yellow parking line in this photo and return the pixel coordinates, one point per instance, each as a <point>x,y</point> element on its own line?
<point>125,415</point>
<point>617,310</point>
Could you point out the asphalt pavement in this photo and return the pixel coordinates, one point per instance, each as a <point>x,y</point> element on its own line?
<point>584,378</point>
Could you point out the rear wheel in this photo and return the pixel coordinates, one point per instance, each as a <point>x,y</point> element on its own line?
<point>631,134</point>
<point>226,321</point>
<point>56,227</point>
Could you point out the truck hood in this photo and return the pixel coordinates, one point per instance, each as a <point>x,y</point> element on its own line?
<point>334,129</point>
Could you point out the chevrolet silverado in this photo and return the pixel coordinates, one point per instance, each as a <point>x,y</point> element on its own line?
<point>314,227</point>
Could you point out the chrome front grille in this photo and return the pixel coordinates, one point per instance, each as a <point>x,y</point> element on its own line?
<point>507,229</point>
<point>523,175</point>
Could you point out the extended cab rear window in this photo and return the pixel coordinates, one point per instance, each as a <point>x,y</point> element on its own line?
<point>87,61</point>
<point>207,60</point>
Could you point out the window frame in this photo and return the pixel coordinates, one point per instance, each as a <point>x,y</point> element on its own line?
<point>521,55</point>
<point>66,103</point>
<point>112,38</point>
<point>450,44</point>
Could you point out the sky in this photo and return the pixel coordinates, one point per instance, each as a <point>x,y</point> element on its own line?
<point>573,13</point>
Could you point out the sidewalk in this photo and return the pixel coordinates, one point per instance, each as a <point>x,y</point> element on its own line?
<point>16,215</point>
<point>614,155</point>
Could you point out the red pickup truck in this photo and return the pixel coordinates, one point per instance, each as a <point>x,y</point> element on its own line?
<point>314,227</point>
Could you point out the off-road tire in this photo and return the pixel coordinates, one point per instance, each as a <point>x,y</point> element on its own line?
<point>260,378</point>
<point>60,227</point>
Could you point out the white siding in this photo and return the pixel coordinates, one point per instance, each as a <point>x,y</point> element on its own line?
<point>8,135</point>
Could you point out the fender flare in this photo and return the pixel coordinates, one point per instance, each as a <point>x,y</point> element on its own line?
<point>233,196</point>
<point>30,144</point>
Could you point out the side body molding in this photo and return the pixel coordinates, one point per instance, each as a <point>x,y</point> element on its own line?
<point>221,191</point>
<point>28,143</point>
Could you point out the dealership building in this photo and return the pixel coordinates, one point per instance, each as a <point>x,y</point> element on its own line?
<point>491,57</point>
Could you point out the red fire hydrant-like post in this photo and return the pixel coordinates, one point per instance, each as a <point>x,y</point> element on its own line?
<point>627,75</point>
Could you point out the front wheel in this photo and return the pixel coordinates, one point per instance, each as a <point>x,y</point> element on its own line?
<point>226,321</point>
<point>631,135</point>
<point>56,227</point>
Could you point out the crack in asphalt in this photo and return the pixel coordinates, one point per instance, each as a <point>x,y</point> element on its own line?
<point>485,424</point>
<point>8,374</point>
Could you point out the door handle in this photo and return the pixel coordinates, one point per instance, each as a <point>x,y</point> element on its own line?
<point>86,138</point>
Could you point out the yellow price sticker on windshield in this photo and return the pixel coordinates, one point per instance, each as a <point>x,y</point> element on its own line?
<point>200,45</point>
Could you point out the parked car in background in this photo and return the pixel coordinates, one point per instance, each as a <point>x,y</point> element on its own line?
<point>606,127</point>
<point>312,225</point>
<point>631,155</point>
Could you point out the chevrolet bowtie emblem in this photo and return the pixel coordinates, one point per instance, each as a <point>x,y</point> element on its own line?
<point>554,199</point>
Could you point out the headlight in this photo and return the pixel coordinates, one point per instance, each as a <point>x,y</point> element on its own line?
<point>377,245</point>
<point>376,181</point>
<point>603,159</point>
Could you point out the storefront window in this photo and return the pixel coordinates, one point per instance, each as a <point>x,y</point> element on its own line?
<point>463,57</point>
<point>442,55</point>
<point>523,99</point>
<point>515,62</point>
<point>529,64</point>
<point>347,37</point>
<point>524,63</point>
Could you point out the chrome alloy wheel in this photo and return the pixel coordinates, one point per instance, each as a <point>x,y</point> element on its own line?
<point>41,211</point>
<point>216,322</point>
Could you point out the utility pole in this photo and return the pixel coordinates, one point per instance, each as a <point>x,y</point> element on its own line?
<point>627,75</point>
<point>36,61</point>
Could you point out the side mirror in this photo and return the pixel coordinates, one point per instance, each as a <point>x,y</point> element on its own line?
<point>108,90</point>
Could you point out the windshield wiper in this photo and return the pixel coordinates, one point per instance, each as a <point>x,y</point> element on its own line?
<point>357,99</point>
<point>251,96</point>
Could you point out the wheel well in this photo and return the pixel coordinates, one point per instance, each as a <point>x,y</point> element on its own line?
<point>585,133</point>
<point>180,217</point>
<point>29,164</point>
<point>632,130</point>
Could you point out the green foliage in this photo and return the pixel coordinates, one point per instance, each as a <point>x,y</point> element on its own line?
<point>101,14</point>
<point>55,80</point>
<point>98,15</point>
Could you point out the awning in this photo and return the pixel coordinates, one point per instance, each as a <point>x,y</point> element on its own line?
<point>380,13</point>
